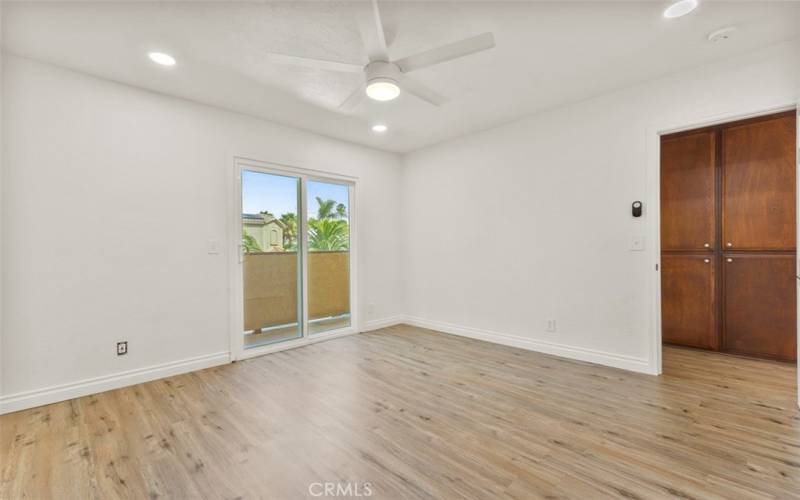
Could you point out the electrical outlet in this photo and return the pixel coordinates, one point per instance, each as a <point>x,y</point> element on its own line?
<point>122,348</point>
<point>370,309</point>
<point>551,325</point>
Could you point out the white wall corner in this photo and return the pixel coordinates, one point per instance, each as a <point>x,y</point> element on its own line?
<point>377,324</point>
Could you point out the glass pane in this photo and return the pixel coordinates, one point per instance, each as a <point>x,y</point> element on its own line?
<point>328,256</point>
<point>273,302</point>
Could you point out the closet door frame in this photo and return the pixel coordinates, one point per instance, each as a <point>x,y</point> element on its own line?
<point>652,214</point>
<point>721,252</point>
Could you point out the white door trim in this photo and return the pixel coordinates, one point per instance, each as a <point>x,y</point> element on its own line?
<point>235,265</point>
<point>652,209</point>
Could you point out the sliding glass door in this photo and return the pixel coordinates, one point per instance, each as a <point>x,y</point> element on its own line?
<point>272,266</point>
<point>296,238</point>
<point>328,226</point>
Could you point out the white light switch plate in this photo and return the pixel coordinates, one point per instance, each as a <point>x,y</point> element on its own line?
<point>637,243</point>
<point>213,247</point>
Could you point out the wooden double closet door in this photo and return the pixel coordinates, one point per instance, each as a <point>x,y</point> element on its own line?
<point>728,249</point>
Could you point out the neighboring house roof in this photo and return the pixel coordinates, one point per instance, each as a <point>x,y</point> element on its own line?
<point>262,219</point>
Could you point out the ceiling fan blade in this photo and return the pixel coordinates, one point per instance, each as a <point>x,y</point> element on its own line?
<point>447,52</point>
<point>372,35</point>
<point>421,91</point>
<point>353,99</point>
<point>314,63</point>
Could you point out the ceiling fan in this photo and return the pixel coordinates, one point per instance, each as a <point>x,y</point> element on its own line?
<point>383,79</point>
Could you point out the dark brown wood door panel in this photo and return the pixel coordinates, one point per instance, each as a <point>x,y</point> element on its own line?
<point>728,231</point>
<point>688,201</point>
<point>758,200</point>
<point>760,313</point>
<point>688,300</point>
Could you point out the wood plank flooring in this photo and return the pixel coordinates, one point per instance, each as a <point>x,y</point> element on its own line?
<point>419,415</point>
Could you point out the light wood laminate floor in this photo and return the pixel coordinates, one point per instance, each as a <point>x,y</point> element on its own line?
<point>418,414</point>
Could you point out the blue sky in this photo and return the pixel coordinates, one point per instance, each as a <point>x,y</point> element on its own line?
<point>278,194</point>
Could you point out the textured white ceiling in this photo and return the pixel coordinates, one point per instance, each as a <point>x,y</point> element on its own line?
<point>547,54</point>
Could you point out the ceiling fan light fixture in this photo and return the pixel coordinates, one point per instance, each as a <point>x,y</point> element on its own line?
<point>161,58</point>
<point>382,89</point>
<point>383,77</point>
<point>680,8</point>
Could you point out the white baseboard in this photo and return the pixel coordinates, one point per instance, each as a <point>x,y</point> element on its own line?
<point>630,363</point>
<point>376,324</point>
<point>54,394</point>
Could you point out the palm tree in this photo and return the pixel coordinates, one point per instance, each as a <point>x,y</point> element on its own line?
<point>289,221</point>
<point>328,234</point>
<point>330,230</point>
<point>325,208</point>
<point>328,209</point>
<point>250,243</point>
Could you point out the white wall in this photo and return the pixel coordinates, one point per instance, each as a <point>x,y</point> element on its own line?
<point>553,192</point>
<point>110,196</point>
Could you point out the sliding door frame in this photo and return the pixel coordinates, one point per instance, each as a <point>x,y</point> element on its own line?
<point>236,260</point>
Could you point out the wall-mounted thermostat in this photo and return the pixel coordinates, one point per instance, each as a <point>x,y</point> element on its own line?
<point>636,208</point>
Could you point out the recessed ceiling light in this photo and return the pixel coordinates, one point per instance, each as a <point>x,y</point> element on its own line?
<point>162,58</point>
<point>382,89</point>
<point>380,128</point>
<point>681,8</point>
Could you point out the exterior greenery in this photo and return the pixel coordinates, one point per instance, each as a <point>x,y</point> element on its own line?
<point>327,234</point>
<point>329,230</point>
<point>250,243</point>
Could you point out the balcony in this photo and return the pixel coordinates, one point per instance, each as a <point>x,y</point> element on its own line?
<point>271,310</point>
